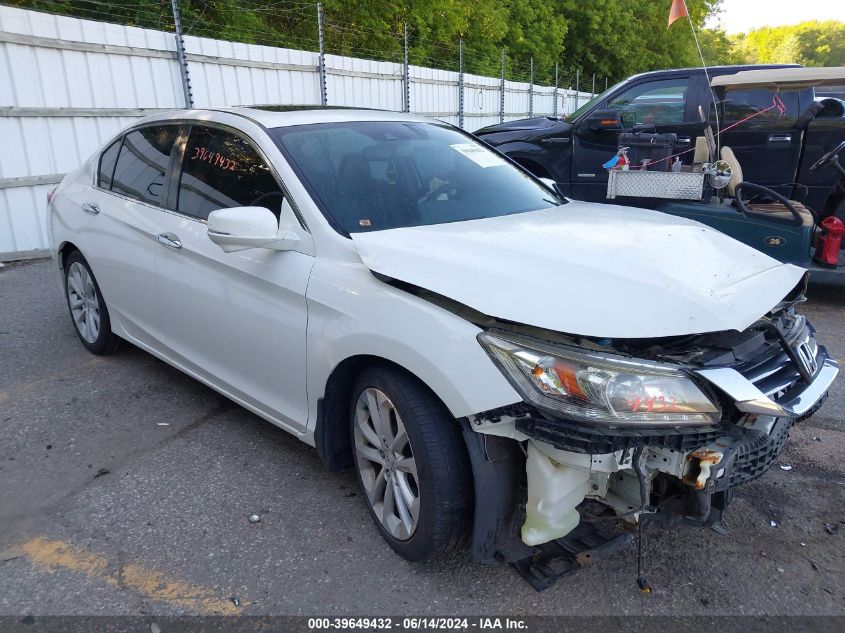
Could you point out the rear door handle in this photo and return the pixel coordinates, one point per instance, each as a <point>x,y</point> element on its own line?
<point>684,140</point>
<point>169,240</point>
<point>90,207</point>
<point>780,138</point>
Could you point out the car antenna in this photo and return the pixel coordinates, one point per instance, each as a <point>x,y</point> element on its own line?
<point>642,582</point>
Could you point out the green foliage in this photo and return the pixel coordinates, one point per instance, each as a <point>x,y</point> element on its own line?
<point>610,38</point>
<point>811,43</point>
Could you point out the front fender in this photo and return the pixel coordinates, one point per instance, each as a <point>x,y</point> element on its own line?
<point>351,313</point>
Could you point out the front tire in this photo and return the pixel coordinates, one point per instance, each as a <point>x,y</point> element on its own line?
<point>411,464</point>
<point>88,310</point>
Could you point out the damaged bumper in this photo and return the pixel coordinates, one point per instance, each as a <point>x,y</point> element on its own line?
<point>663,476</point>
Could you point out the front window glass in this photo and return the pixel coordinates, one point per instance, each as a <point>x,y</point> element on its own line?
<point>222,170</point>
<point>142,163</point>
<point>654,102</point>
<point>375,175</point>
<point>589,105</point>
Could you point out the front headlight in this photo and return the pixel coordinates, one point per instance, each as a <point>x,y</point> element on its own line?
<point>601,389</point>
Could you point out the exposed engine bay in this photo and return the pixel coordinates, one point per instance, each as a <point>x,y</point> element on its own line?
<point>764,379</point>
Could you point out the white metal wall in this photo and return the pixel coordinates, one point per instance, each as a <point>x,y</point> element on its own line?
<point>67,85</point>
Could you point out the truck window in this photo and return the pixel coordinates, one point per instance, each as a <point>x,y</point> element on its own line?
<point>655,102</point>
<point>740,104</point>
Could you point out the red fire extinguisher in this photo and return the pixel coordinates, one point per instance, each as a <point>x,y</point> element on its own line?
<point>827,251</point>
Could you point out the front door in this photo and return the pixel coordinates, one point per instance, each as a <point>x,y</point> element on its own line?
<point>663,105</point>
<point>237,319</point>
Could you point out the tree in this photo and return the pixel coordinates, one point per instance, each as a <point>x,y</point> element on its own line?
<point>810,43</point>
<point>610,38</point>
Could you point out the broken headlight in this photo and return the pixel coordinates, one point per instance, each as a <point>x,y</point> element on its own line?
<point>603,389</point>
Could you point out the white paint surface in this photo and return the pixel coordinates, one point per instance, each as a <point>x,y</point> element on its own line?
<point>588,269</point>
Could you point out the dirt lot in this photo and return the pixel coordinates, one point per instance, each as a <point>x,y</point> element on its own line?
<point>126,488</point>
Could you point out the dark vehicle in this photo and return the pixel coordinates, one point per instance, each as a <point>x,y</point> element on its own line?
<point>776,149</point>
<point>760,217</point>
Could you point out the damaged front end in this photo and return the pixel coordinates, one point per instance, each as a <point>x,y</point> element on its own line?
<point>657,431</point>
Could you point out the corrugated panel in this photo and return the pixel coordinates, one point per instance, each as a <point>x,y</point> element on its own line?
<point>232,73</point>
<point>49,61</point>
<point>481,101</point>
<point>363,83</point>
<point>36,75</point>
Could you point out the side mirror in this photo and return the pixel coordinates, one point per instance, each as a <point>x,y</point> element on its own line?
<point>718,173</point>
<point>600,120</point>
<point>241,228</point>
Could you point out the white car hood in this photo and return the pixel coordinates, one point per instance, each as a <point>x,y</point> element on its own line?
<point>588,269</point>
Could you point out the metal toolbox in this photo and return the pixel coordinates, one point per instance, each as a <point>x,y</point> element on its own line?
<point>685,185</point>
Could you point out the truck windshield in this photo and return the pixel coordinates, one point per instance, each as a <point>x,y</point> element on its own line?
<point>570,118</point>
<point>376,175</point>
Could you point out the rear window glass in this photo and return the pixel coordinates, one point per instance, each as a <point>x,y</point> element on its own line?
<point>142,163</point>
<point>108,160</point>
<point>740,104</point>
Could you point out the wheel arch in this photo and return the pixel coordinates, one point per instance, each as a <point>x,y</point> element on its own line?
<point>331,431</point>
<point>533,166</point>
<point>496,464</point>
<point>63,252</point>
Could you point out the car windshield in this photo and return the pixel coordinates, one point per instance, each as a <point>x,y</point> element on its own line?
<point>376,175</point>
<point>570,118</point>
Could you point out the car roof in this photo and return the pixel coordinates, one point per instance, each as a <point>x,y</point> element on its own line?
<point>272,116</point>
<point>712,70</point>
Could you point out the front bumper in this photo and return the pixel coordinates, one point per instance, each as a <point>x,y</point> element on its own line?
<point>669,476</point>
<point>690,473</point>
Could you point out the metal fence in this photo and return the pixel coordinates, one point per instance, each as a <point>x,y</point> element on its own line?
<point>68,84</point>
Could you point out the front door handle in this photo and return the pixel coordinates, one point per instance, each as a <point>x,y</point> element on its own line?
<point>90,207</point>
<point>169,240</point>
<point>780,138</point>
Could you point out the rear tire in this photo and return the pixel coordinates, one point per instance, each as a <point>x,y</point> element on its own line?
<point>411,464</point>
<point>88,310</point>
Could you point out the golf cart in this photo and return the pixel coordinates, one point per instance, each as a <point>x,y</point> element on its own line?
<point>711,190</point>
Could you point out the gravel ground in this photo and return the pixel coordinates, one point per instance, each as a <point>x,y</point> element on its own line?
<point>127,488</point>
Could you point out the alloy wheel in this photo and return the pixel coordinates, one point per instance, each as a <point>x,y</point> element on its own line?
<point>386,463</point>
<point>84,303</point>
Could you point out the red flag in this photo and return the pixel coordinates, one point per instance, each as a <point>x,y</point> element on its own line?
<point>678,10</point>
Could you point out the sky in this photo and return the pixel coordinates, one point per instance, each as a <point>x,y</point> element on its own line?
<point>739,16</point>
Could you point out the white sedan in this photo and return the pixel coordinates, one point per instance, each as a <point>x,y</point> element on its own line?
<point>494,360</point>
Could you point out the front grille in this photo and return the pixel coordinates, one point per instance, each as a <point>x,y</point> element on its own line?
<point>776,371</point>
<point>774,376</point>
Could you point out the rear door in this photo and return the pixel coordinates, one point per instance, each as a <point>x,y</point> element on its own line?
<point>764,138</point>
<point>126,207</point>
<point>236,319</point>
<point>661,105</point>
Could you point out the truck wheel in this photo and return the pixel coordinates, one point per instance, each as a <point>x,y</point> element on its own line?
<point>411,464</point>
<point>88,310</point>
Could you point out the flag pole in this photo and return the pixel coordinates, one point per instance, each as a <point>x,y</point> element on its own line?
<point>679,10</point>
